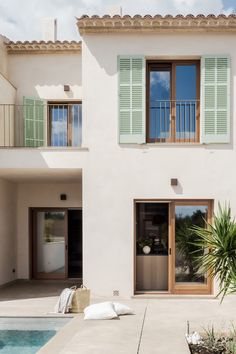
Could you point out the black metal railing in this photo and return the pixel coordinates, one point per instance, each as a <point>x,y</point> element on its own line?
<point>174,120</point>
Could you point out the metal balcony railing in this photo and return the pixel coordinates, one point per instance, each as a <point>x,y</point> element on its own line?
<point>174,120</point>
<point>38,125</point>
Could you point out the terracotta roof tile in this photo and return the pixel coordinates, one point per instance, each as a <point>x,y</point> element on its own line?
<point>42,46</point>
<point>156,23</point>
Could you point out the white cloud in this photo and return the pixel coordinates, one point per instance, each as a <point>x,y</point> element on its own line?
<point>162,78</point>
<point>21,20</point>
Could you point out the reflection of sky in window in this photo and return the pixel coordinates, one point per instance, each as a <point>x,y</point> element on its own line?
<point>159,85</point>
<point>59,123</point>
<point>186,82</point>
<point>186,90</point>
<point>59,126</point>
<point>76,111</point>
<point>160,106</point>
<point>188,210</point>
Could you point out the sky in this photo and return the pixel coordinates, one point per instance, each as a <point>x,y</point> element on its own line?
<point>22,20</point>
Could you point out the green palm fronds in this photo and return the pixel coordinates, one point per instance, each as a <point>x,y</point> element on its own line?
<point>218,242</point>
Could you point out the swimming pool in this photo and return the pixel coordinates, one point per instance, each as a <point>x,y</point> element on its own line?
<point>26,335</point>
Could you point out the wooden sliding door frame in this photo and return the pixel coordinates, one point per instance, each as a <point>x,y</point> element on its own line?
<point>33,244</point>
<point>204,289</point>
<point>188,288</point>
<point>137,201</point>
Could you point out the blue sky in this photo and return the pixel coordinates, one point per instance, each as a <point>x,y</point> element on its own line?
<point>230,3</point>
<point>21,20</point>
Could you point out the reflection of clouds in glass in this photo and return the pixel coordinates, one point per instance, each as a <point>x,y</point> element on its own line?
<point>182,211</point>
<point>59,127</point>
<point>59,122</point>
<point>161,78</point>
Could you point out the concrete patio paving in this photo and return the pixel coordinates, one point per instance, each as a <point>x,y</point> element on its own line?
<point>158,326</point>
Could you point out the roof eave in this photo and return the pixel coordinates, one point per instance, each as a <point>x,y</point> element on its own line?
<point>157,23</point>
<point>42,47</point>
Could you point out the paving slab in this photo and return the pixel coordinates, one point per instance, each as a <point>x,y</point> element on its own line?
<point>158,326</point>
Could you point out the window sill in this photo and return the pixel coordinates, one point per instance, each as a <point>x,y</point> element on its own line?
<point>46,148</point>
<point>174,144</point>
<point>156,145</point>
<point>62,148</point>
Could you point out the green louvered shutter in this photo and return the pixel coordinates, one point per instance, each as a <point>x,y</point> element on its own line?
<point>215,99</point>
<point>131,82</point>
<point>34,122</point>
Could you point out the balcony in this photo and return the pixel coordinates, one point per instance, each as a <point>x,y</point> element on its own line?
<point>36,124</point>
<point>174,121</point>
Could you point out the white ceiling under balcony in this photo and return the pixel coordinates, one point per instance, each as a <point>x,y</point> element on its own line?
<point>40,175</point>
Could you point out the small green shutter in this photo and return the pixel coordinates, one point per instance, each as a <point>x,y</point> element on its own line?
<point>131,81</point>
<point>215,99</point>
<point>34,122</point>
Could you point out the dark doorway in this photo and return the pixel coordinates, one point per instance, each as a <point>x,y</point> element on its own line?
<point>75,243</point>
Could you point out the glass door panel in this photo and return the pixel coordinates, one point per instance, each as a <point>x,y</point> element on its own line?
<point>160,102</point>
<point>187,273</point>
<point>186,101</point>
<point>59,114</point>
<point>50,244</point>
<point>65,124</point>
<point>76,117</point>
<point>152,233</point>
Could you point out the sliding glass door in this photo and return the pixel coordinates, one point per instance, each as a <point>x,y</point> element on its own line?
<point>187,274</point>
<point>50,244</point>
<point>152,247</point>
<point>166,248</point>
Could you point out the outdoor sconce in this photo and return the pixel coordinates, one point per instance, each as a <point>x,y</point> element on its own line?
<point>66,88</point>
<point>63,197</point>
<point>174,182</point>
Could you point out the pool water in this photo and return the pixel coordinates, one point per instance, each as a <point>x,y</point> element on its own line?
<point>23,342</point>
<point>26,335</point>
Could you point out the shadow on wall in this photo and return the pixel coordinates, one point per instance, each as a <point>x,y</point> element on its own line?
<point>46,72</point>
<point>178,189</point>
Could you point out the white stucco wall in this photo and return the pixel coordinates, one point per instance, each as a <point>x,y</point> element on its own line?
<point>118,174</point>
<point>114,175</point>
<point>8,91</point>
<point>39,195</point>
<point>44,75</point>
<point>7,231</point>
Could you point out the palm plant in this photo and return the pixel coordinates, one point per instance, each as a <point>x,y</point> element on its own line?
<point>218,241</point>
<point>186,243</point>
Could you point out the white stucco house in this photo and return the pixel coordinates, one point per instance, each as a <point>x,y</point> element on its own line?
<point>112,146</point>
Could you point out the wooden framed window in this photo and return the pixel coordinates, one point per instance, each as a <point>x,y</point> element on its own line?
<point>65,124</point>
<point>173,101</point>
<point>165,247</point>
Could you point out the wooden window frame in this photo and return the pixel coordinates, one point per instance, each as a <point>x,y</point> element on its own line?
<point>50,105</point>
<point>173,288</point>
<point>150,64</point>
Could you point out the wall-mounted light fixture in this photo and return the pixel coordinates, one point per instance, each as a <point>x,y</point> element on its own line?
<point>63,197</point>
<point>174,181</point>
<point>66,88</point>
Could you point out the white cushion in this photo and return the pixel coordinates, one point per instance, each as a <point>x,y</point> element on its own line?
<point>122,309</point>
<point>100,311</point>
